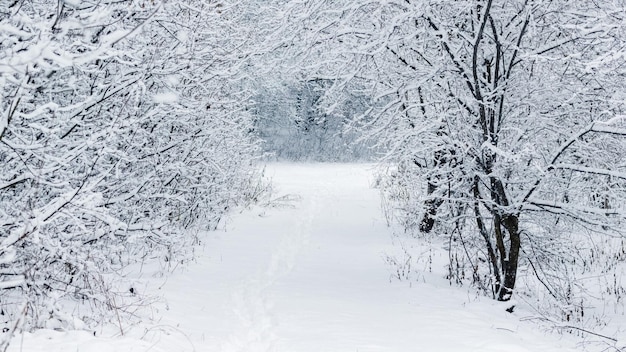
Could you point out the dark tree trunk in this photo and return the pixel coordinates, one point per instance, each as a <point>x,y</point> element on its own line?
<point>431,205</point>
<point>511,223</point>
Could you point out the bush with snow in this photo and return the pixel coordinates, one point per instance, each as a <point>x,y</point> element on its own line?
<point>116,134</point>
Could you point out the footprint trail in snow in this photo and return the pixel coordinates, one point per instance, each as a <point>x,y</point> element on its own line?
<point>251,303</point>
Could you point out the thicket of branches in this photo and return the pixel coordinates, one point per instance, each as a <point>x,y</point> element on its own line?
<point>292,119</point>
<point>122,124</point>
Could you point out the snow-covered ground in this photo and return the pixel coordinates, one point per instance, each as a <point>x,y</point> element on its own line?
<point>309,275</point>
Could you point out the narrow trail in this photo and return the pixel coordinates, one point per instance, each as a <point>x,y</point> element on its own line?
<point>251,303</point>
<point>294,277</point>
<point>310,276</point>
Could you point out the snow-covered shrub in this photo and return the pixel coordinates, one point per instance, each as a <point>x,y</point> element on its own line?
<point>120,127</point>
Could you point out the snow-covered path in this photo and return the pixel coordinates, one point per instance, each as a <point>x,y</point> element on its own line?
<point>309,276</point>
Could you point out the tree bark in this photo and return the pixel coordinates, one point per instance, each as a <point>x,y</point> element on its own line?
<point>431,205</point>
<point>511,223</point>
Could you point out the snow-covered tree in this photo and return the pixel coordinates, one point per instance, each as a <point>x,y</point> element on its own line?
<point>506,132</point>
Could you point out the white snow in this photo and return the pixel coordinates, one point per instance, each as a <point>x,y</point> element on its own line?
<point>309,276</point>
<point>165,98</point>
